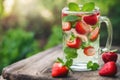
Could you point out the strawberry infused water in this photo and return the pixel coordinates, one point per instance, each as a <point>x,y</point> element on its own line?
<point>81,28</point>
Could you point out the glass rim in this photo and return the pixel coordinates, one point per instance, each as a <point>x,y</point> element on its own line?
<point>66,10</point>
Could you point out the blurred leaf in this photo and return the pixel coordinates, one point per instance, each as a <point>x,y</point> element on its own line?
<point>55,38</point>
<point>16,45</point>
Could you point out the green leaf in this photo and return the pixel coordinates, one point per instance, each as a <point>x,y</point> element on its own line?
<point>89,64</point>
<point>71,55</point>
<point>88,6</point>
<point>60,60</point>
<point>73,24</point>
<point>70,52</point>
<point>92,66</point>
<point>71,18</point>
<point>69,62</point>
<point>85,44</point>
<point>95,66</point>
<point>73,7</point>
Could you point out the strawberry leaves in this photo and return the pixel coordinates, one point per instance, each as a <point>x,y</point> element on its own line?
<point>68,62</point>
<point>60,60</point>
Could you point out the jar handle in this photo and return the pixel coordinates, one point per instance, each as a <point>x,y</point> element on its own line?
<point>110,32</point>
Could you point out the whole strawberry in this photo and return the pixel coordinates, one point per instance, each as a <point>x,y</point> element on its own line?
<point>109,69</point>
<point>109,56</point>
<point>58,70</point>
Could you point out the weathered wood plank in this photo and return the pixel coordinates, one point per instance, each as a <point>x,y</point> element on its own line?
<point>38,67</point>
<point>1,78</point>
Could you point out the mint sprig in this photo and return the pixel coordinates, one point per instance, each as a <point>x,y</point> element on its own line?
<point>92,66</point>
<point>71,18</point>
<point>86,7</point>
<point>73,6</point>
<point>85,44</point>
<point>70,53</point>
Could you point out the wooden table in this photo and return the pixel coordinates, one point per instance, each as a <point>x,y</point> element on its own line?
<point>38,67</point>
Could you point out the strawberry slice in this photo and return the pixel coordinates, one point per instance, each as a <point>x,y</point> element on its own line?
<point>91,19</point>
<point>82,28</point>
<point>58,70</point>
<point>94,34</point>
<point>89,51</point>
<point>76,43</point>
<point>66,26</point>
<point>64,14</point>
<point>109,69</point>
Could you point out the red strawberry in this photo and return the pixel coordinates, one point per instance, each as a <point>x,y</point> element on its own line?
<point>109,69</point>
<point>91,19</point>
<point>98,14</point>
<point>109,56</point>
<point>89,51</point>
<point>94,34</point>
<point>66,26</point>
<point>82,28</point>
<point>58,70</point>
<point>64,14</point>
<point>76,43</point>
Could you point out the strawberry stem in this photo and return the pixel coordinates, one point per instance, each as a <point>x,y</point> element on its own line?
<point>115,50</point>
<point>61,61</point>
<point>70,69</point>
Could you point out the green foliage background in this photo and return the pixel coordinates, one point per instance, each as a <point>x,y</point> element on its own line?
<point>15,45</point>
<point>25,31</point>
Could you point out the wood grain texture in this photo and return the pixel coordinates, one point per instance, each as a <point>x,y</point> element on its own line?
<point>38,67</point>
<point>1,78</point>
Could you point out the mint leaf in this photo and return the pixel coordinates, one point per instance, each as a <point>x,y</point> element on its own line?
<point>70,52</point>
<point>89,64</point>
<point>71,18</point>
<point>85,44</point>
<point>92,66</point>
<point>73,7</point>
<point>69,62</point>
<point>95,66</point>
<point>73,24</point>
<point>88,6</point>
